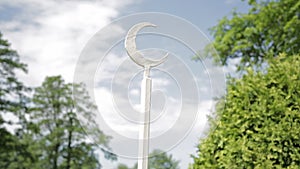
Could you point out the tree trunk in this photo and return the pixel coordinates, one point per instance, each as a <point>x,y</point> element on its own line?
<point>69,150</point>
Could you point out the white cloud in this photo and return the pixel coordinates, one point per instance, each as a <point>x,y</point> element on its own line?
<point>135,92</point>
<point>163,118</point>
<point>49,35</point>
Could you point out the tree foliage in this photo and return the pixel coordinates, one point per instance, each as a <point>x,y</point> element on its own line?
<point>62,142</point>
<point>259,125</point>
<point>268,29</point>
<point>122,166</point>
<point>161,160</point>
<point>157,160</point>
<point>13,105</point>
<point>11,89</point>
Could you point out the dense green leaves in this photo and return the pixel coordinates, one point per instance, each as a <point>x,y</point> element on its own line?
<point>269,28</point>
<point>259,125</point>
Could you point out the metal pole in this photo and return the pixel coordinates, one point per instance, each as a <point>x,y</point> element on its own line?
<point>145,127</point>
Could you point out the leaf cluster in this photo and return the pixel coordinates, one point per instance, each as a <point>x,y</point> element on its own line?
<point>259,124</point>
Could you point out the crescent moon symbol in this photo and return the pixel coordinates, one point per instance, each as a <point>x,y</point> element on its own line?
<point>134,54</point>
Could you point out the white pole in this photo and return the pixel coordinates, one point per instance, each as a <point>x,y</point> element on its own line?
<point>145,127</point>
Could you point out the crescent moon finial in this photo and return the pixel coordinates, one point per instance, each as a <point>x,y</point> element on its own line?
<point>134,54</point>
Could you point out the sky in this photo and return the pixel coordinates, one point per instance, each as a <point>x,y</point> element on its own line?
<point>51,36</point>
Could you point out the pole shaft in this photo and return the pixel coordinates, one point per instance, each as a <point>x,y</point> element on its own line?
<point>145,127</point>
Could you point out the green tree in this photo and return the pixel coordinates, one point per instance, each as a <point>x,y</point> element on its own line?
<point>13,152</point>
<point>62,142</point>
<point>259,125</point>
<point>268,29</point>
<point>161,160</point>
<point>122,166</point>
